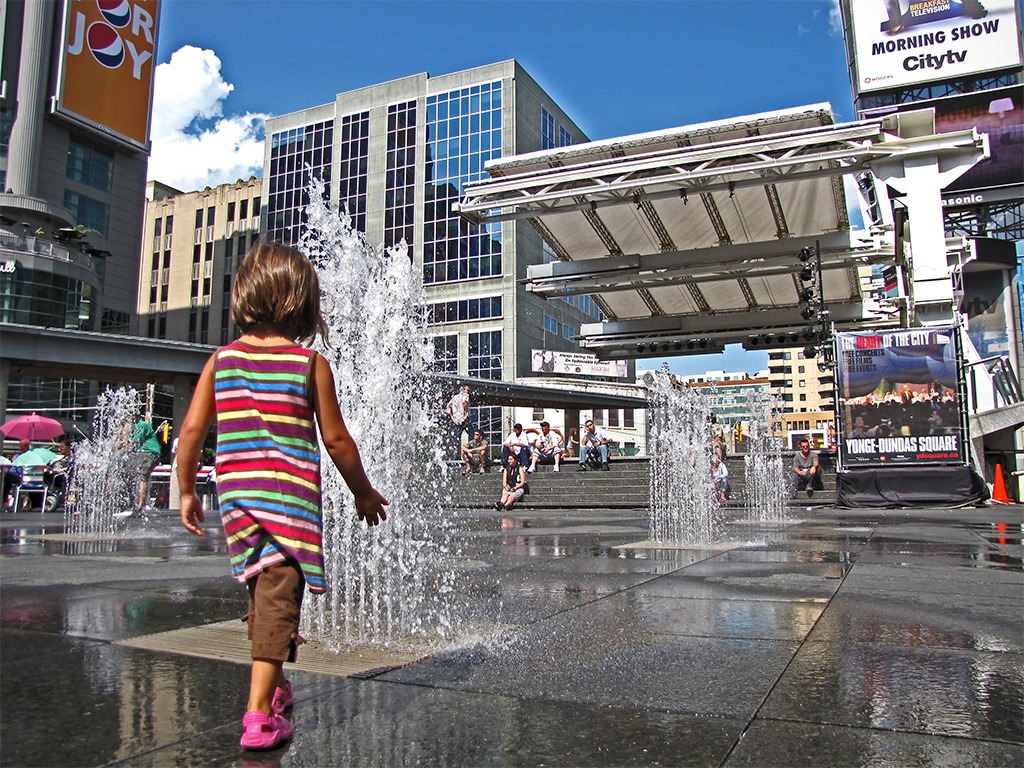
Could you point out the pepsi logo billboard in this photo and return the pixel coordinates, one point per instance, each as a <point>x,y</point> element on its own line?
<point>107,64</point>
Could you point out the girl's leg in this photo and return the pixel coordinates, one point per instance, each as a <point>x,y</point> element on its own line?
<point>267,674</point>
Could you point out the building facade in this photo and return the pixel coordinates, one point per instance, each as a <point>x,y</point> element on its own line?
<point>72,175</point>
<point>193,243</point>
<point>396,157</point>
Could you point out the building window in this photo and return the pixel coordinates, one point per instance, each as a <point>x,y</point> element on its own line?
<point>564,138</point>
<point>463,133</point>
<point>628,418</point>
<point>400,181</point>
<point>550,324</point>
<point>613,417</point>
<point>485,354</point>
<point>290,152</point>
<point>547,129</point>
<point>87,212</point>
<point>354,167</point>
<point>90,165</point>
<point>446,354</point>
<point>463,310</point>
<point>6,123</point>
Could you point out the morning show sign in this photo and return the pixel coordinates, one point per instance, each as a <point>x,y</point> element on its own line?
<point>899,43</point>
<point>899,400</point>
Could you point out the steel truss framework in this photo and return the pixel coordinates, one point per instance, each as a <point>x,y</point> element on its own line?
<point>687,239</point>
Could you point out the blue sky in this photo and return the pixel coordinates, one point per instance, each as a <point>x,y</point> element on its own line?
<point>616,67</point>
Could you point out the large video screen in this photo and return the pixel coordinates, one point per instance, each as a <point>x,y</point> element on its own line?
<point>898,398</point>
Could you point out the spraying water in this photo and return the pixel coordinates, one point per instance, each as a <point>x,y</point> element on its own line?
<point>102,484</point>
<point>684,509</point>
<point>765,472</point>
<point>394,582</point>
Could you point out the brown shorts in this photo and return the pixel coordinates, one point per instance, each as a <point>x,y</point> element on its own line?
<point>275,598</point>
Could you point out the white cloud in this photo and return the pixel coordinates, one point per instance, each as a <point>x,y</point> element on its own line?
<point>194,144</point>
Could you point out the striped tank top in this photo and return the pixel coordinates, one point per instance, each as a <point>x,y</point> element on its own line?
<point>268,460</point>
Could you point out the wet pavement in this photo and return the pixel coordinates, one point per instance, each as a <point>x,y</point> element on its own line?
<point>840,637</point>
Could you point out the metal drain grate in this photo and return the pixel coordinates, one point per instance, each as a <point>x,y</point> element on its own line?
<point>227,641</point>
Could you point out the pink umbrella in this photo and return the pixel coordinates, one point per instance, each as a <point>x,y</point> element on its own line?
<point>32,427</point>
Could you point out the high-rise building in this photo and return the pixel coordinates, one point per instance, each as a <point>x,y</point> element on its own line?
<point>192,245</point>
<point>396,156</point>
<point>74,132</point>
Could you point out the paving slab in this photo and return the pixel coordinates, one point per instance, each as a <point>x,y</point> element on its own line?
<point>831,637</point>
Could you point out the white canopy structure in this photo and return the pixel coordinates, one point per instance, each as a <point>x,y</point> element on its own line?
<point>688,238</point>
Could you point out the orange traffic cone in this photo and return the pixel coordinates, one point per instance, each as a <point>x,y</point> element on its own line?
<point>999,494</point>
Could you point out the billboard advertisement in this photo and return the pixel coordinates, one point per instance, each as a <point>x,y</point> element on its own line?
<point>898,398</point>
<point>899,43</point>
<point>105,79</point>
<point>576,364</point>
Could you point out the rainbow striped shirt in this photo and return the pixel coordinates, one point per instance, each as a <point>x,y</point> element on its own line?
<point>268,460</point>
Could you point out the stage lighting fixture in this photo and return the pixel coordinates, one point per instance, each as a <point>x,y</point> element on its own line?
<point>806,273</point>
<point>810,351</point>
<point>807,313</point>
<point>664,347</point>
<point>808,332</point>
<point>805,253</point>
<point>805,294</point>
<point>703,344</point>
<point>677,346</point>
<point>640,347</point>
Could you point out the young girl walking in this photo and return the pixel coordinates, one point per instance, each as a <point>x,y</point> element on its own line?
<point>265,390</point>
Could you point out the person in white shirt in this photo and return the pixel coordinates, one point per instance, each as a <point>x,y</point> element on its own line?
<point>548,445</point>
<point>458,412</point>
<point>593,439</point>
<point>517,443</point>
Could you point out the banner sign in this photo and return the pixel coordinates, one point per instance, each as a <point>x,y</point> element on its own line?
<point>576,364</point>
<point>898,43</point>
<point>105,79</point>
<point>898,398</point>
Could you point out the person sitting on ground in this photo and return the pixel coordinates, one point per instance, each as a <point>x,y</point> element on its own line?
<point>720,479</point>
<point>593,440</point>
<point>517,443</point>
<point>547,447</point>
<point>474,453</point>
<point>513,483</point>
<point>806,470</point>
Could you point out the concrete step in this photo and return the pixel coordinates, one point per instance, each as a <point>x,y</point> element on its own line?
<point>625,485</point>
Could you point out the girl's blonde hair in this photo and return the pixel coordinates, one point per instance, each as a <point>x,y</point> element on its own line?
<point>277,285</point>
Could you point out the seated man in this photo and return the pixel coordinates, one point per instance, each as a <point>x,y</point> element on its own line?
<point>517,443</point>
<point>593,440</point>
<point>547,447</point>
<point>474,453</point>
<point>806,471</point>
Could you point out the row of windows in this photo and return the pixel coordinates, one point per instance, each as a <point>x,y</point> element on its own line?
<point>87,211</point>
<point>484,360</point>
<point>463,132</point>
<point>34,297</point>
<point>547,132</point>
<point>613,417</point>
<point>354,167</point>
<point>463,310</point>
<point>291,151</point>
<point>551,325</point>
<point>90,164</point>
<point>400,180</point>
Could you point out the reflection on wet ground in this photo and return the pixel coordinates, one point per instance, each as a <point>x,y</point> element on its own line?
<point>896,637</point>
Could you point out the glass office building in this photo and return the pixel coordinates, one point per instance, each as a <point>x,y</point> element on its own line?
<point>397,156</point>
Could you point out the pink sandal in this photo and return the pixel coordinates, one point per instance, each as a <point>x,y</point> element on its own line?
<point>263,731</point>
<point>283,698</point>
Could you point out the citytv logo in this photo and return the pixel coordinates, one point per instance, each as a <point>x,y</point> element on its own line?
<point>110,39</point>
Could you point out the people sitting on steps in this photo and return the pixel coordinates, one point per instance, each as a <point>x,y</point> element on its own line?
<point>474,453</point>
<point>593,440</point>
<point>518,443</point>
<point>806,471</point>
<point>547,447</point>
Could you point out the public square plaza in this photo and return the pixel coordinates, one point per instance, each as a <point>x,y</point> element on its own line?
<point>837,637</point>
